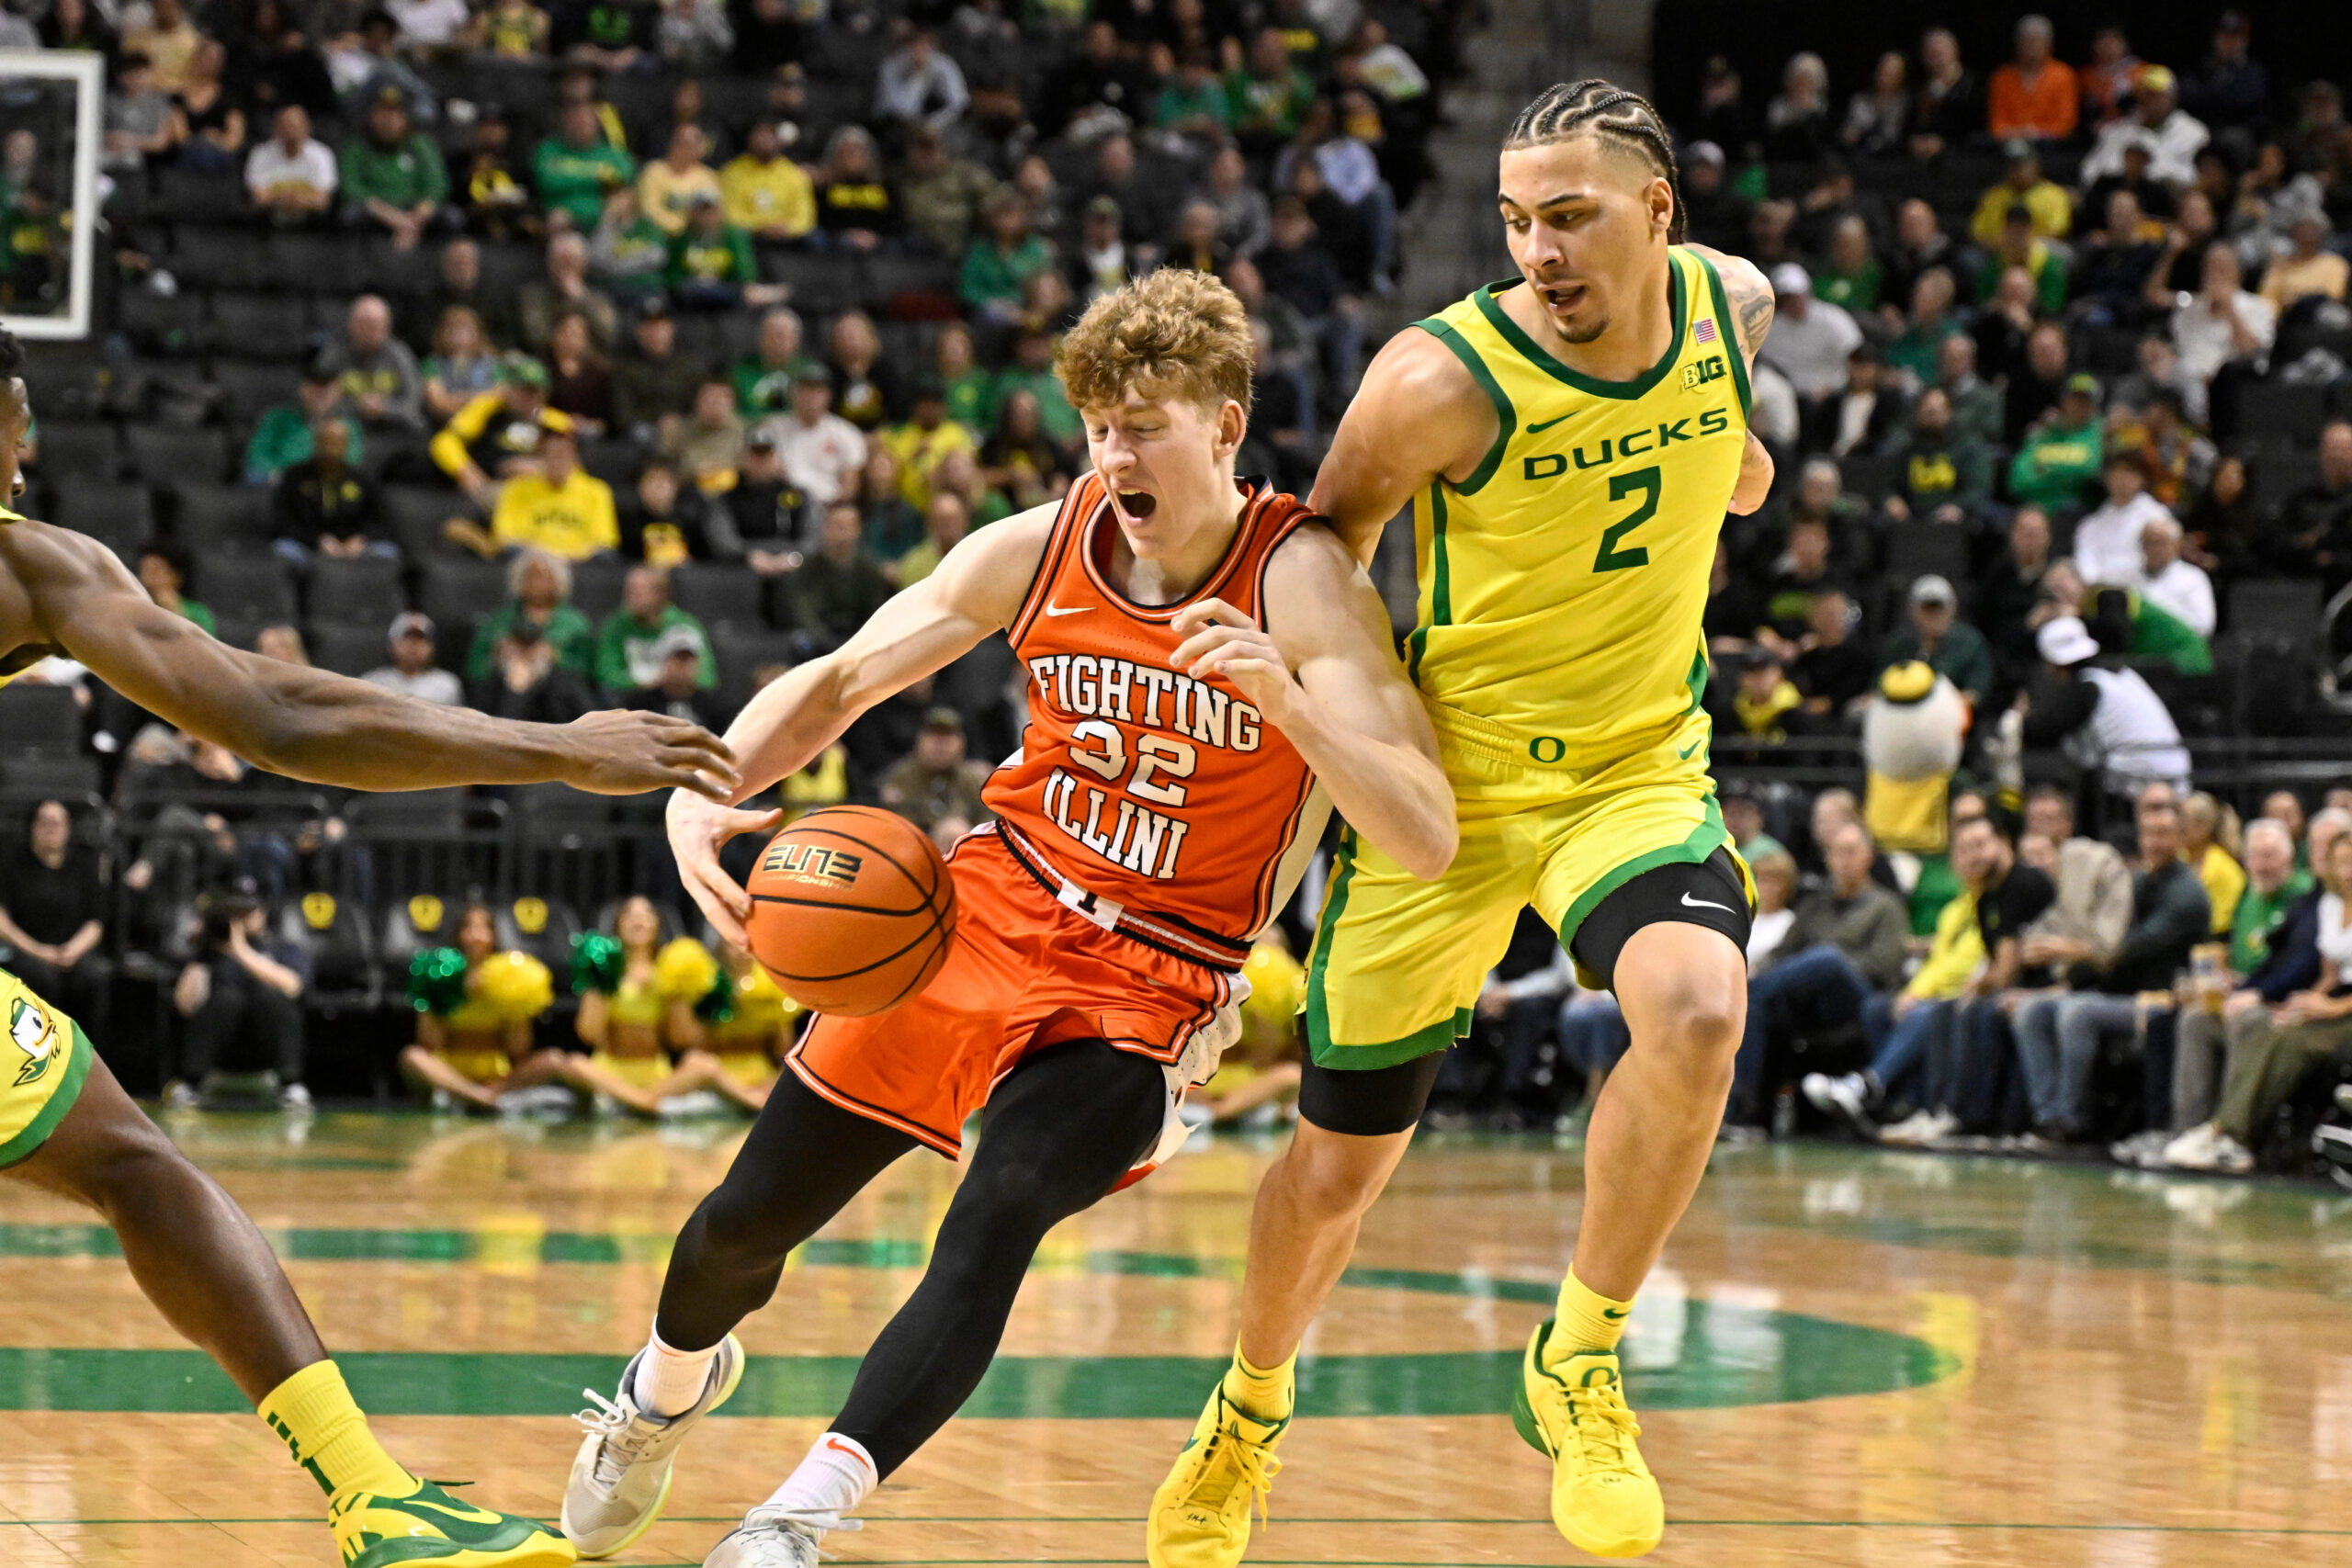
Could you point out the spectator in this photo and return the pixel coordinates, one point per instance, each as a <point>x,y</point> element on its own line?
<point>282,67</point>
<point>1811,338</point>
<point>2110,284</point>
<point>1947,475</point>
<point>2016,248</point>
<point>1939,638</point>
<point>1245,221</point>
<point>865,391</point>
<point>558,506</point>
<point>52,914</point>
<point>578,167</point>
<point>2178,461</point>
<point>766,193</point>
<point>678,688</point>
<point>821,452</point>
<point>1143,203</point>
<point>1775,874</point>
<point>459,283</point>
<point>410,670</point>
<point>2230,89</point>
<point>564,288</point>
<point>1849,276</point>
<point>2034,95</point>
<point>630,645</point>
<point>538,611</point>
<point>762,507</point>
<point>392,176</point>
<point>161,570</point>
<point>371,60</point>
<point>497,436</point>
<point>919,85</point>
<point>2107,541</point>
<point>1192,103</point>
<point>946,519</point>
<point>2094,904</point>
<point>514,30</point>
<point>997,268</point>
<point>462,366</point>
<point>1796,122</point>
<point>1100,264</point>
<point>78,25</point>
<point>1832,670</point>
<point>1949,107</point>
<point>292,177</point>
<point>1917,351</point>
<point>2312,535</point>
<point>168,41</point>
<point>834,589</point>
<point>1878,116</point>
<point>919,445</point>
<point>580,384</point>
<point>283,435</point>
<point>1298,268</point>
<point>2210,838</point>
<point>2125,624</point>
<point>653,385</point>
<point>693,35</point>
<point>706,445</point>
<point>1097,88</point>
<point>2060,453</point>
<point>936,781</point>
<point>670,187</point>
<point>2107,79</point>
<point>379,375</point>
<point>711,267</point>
<point>1020,459</point>
<point>656,528</point>
<point>1269,95</point>
<point>2221,324</point>
<point>856,207</point>
<point>2179,135</point>
<point>2107,719</point>
<point>490,193</point>
<point>326,503</point>
<point>628,254</point>
<point>2060,1038</point>
<point>969,387</point>
<point>241,1003</point>
<point>2308,269</point>
<point>2272,955</point>
<point>208,123</point>
<point>2005,595</point>
<point>2171,584</point>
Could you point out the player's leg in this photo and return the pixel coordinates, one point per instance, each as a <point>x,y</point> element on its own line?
<point>1396,967</point>
<point>1060,1132</point>
<point>1669,934</point>
<point>804,1159</point>
<point>206,1266</point>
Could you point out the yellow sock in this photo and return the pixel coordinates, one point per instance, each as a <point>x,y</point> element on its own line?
<point>1586,1319</point>
<point>328,1436</point>
<point>1265,1395</point>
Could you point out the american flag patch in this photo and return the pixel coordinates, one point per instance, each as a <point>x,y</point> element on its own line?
<point>1706,331</point>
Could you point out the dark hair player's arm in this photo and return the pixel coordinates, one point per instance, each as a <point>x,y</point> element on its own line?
<point>1749,294</point>
<point>69,591</point>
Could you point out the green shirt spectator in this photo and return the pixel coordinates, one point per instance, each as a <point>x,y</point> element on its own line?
<point>2044,265</point>
<point>2158,633</point>
<point>999,266</point>
<point>393,171</point>
<point>712,254</point>
<point>1948,645</point>
<point>2058,459</point>
<point>575,170</point>
<point>1269,100</point>
<point>630,648</point>
<point>1195,102</point>
<point>567,628</point>
<point>1031,370</point>
<point>2258,916</point>
<point>281,438</point>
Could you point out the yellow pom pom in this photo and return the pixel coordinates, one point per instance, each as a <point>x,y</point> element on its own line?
<point>514,986</point>
<point>685,971</point>
<point>1277,985</point>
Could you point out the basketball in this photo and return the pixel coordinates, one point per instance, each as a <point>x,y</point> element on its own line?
<point>852,910</point>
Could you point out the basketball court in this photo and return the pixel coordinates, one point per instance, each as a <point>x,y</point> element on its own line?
<point>1848,1357</point>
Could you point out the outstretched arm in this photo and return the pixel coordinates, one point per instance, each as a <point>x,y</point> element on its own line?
<point>1749,294</point>
<point>1417,415</point>
<point>72,593</point>
<point>1348,709</point>
<point>977,589</point>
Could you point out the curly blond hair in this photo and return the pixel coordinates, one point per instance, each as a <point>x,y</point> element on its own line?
<point>1173,332</point>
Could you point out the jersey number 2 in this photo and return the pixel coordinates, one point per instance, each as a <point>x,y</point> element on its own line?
<point>1611,558</point>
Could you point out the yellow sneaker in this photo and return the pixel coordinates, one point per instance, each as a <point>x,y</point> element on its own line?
<point>1200,1515</point>
<point>1573,1408</point>
<point>428,1526</point>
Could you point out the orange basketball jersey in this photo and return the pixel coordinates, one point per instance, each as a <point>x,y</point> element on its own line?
<point>1161,805</point>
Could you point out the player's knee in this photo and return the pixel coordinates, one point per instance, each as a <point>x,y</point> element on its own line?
<point>1697,1030</point>
<point>1333,1177</point>
<point>128,1159</point>
<point>1019,1196</point>
<point>741,1231</point>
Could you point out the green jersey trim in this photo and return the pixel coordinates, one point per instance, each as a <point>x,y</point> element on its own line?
<point>1679,296</point>
<point>1708,837</point>
<point>61,1101</point>
<point>1506,417</point>
<point>1727,329</point>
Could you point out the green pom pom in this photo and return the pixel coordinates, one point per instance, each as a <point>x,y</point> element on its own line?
<point>436,981</point>
<point>597,962</point>
<point>717,1005</point>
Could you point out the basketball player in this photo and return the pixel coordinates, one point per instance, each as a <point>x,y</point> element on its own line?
<point>1569,442</point>
<point>1164,796</point>
<point>67,1127</point>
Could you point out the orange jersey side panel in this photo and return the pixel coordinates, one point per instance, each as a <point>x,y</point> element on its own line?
<point>1171,796</point>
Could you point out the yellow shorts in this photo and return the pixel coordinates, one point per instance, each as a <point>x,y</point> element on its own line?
<point>638,1072</point>
<point>1398,963</point>
<point>753,1069</point>
<point>478,1064</point>
<point>42,1076</point>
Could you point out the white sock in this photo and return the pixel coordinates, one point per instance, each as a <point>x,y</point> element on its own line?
<point>833,1479</point>
<point>669,1382</point>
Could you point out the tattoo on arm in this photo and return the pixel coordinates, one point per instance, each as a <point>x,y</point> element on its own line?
<point>1752,298</point>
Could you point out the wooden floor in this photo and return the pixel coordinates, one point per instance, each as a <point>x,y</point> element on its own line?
<point>1849,1359</point>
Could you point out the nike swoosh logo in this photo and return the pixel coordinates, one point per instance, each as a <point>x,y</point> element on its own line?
<point>1691,903</point>
<point>841,1447</point>
<point>1540,429</point>
<point>1685,752</point>
<point>1614,1314</point>
<point>1068,609</point>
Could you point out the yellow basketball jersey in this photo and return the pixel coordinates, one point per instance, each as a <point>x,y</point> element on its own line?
<point>1563,582</point>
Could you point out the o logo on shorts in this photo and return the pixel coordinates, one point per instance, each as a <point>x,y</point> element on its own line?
<point>1547,747</point>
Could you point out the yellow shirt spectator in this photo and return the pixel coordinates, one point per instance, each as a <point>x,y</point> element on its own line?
<point>2052,210</point>
<point>1954,954</point>
<point>667,189</point>
<point>563,510</point>
<point>771,199</point>
<point>919,448</point>
<point>2224,882</point>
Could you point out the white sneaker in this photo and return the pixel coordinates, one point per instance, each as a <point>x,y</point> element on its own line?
<point>2193,1150</point>
<point>2232,1157</point>
<point>772,1537</point>
<point>179,1096</point>
<point>1920,1129</point>
<point>1847,1096</point>
<point>621,1477</point>
<point>550,1101</point>
<point>294,1097</point>
<point>2140,1151</point>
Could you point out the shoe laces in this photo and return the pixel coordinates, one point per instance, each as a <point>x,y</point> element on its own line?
<point>1233,1461</point>
<point>796,1527</point>
<point>1602,1427</point>
<point>628,1438</point>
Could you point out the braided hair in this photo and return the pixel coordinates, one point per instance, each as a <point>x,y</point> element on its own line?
<point>1622,119</point>
<point>12,352</point>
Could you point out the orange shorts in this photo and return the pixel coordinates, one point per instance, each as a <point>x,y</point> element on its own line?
<point>1025,972</point>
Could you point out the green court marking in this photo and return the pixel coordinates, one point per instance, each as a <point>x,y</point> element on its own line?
<point>1726,1355</point>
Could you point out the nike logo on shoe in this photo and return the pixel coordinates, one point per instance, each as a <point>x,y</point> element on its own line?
<point>1540,429</point>
<point>1068,609</point>
<point>1691,903</point>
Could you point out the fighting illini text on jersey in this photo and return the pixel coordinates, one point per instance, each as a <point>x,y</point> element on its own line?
<point>1168,797</point>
